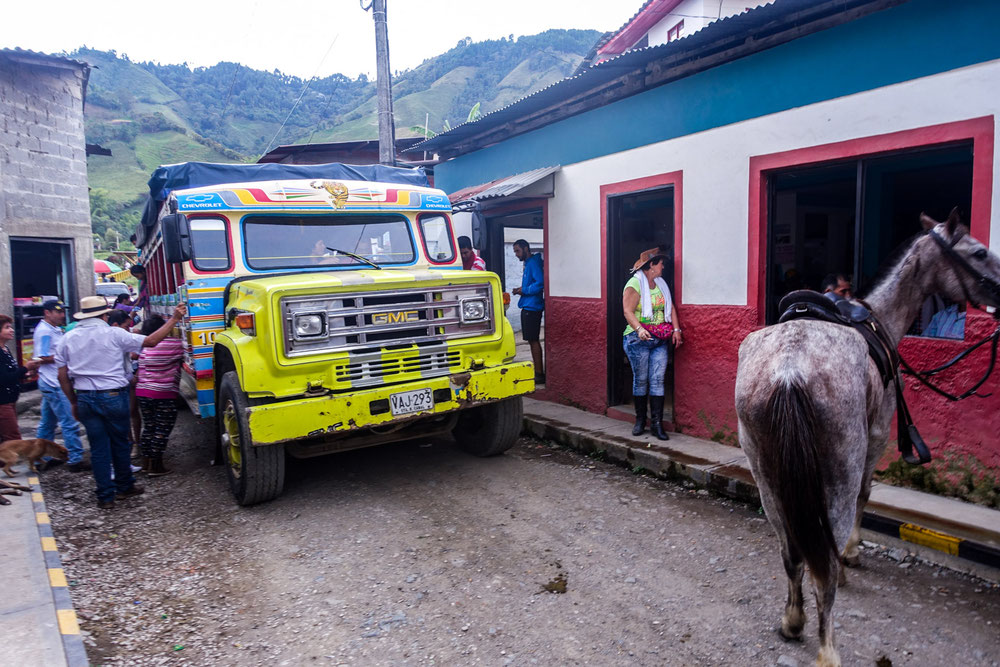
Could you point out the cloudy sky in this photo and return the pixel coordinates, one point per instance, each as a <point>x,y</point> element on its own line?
<point>297,37</point>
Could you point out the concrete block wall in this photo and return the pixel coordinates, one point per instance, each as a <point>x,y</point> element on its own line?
<point>43,163</point>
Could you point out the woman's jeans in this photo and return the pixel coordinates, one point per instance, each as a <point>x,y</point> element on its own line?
<point>648,359</point>
<point>56,408</point>
<point>106,416</point>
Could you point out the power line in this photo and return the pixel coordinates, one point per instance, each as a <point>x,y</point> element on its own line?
<point>232,85</point>
<point>304,89</point>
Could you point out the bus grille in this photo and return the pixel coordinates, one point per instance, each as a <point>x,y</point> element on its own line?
<point>380,321</point>
<point>373,368</point>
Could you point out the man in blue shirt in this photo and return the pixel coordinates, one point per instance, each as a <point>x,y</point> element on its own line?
<point>55,406</point>
<point>531,303</point>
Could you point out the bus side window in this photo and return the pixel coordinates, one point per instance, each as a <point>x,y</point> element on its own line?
<point>210,244</point>
<point>436,234</point>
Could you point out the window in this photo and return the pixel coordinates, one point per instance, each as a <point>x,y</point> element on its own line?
<point>292,242</point>
<point>675,32</point>
<point>854,217</point>
<point>436,232</point>
<point>210,244</point>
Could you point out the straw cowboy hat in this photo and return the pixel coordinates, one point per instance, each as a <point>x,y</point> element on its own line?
<point>646,258</point>
<point>92,306</point>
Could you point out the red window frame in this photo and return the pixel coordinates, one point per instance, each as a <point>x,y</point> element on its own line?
<point>229,245</point>
<point>675,32</point>
<point>451,238</point>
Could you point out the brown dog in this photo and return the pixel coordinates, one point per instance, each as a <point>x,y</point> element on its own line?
<point>33,450</point>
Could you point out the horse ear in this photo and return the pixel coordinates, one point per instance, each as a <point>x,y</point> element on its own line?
<point>927,221</point>
<point>956,229</point>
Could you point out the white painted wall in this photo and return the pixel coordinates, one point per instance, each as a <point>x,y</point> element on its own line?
<point>716,178</point>
<point>697,14</point>
<point>689,11</point>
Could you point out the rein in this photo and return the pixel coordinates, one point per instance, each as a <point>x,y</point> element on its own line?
<point>989,285</point>
<point>923,376</point>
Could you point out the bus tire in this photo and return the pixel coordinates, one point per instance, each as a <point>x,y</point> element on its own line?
<point>490,429</point>
<point>256,473</point>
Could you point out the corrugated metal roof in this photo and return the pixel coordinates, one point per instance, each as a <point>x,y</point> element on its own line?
<point>749,27</point>
<point>18,53</point>
<point>503,187</point>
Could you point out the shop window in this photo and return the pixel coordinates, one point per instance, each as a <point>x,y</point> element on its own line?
<point>854,217</point>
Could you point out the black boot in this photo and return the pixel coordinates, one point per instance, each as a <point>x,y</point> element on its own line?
<point>656,417</point>
<point>640,414</point>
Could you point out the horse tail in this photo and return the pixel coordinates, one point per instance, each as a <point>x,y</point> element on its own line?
<point>797,476</point>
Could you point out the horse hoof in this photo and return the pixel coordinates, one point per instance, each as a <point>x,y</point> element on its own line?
<point>852,561</point>
<point>790,634</point>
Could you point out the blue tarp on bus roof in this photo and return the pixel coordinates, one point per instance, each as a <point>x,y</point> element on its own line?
<point>186,175</point>
<point>199,174</point>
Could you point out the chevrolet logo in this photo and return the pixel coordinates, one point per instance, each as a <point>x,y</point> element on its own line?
<point>396,317</point>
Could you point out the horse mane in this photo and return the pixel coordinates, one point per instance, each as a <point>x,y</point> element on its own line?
<point>892,265</point>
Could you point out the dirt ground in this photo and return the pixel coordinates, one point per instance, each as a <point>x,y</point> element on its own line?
<point>420,554</point>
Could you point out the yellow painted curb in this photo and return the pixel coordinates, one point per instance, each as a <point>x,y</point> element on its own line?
<point>67,622</point>
<point>49,544</point>
<point>32,481</point>
<point>42,517</point>
<point>36,496</point>
<point>57,577</point>
<point>929,538</point>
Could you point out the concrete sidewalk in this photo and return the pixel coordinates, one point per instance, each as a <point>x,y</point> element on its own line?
<point>40,626</point>
<point>959,535</point>
<point>39,623</point>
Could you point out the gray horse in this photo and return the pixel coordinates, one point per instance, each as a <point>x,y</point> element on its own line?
<point>814,414</point>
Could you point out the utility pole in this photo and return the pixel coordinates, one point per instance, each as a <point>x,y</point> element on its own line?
<point>386,121</point>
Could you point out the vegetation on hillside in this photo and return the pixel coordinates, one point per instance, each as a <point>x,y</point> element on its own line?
<point>150,114</point>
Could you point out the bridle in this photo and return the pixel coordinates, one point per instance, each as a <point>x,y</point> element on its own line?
<point>992,287</point>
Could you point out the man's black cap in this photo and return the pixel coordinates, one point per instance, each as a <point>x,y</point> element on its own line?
<point>54,304</point>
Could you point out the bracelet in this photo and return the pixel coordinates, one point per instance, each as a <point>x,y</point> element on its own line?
<point>677,330</point>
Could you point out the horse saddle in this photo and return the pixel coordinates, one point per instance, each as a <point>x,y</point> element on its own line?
<point>806,304</point>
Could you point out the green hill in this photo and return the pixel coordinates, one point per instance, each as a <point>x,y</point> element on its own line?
<point>150,114</point>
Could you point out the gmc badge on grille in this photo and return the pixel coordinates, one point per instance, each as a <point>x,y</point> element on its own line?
<point>396,317</point>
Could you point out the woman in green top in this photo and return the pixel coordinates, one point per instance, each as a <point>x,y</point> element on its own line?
<point>650,314</point>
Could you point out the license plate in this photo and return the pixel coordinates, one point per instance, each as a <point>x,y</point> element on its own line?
<point>406,402</point>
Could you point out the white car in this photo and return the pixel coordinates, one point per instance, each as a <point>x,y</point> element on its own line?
<point>110,291</point>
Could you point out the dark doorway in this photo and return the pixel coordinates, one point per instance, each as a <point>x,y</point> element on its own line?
<point>502,230</point>
<point>498,253</point>
<point>853,217</point>
<point>42,268</point>
<point>39,270</point>
<point>636,222</point>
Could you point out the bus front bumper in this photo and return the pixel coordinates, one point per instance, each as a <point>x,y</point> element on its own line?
<point>332,414</point>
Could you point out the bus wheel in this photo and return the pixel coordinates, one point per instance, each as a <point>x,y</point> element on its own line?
<point>256,474</point>
<point>490,429</point>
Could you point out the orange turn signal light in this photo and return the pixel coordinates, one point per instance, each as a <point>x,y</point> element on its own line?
<point>246,322</point>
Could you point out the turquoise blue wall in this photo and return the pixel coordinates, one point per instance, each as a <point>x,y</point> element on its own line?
<point>917,39</point>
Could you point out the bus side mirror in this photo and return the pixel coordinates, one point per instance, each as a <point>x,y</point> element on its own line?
<point>479,234</point>
<point>176,232</point>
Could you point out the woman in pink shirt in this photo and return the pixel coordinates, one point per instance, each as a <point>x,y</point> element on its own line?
<point>157,391</point>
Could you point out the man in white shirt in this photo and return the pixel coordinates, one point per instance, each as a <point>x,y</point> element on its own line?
<point>55,406</point>
<point>93,378</point>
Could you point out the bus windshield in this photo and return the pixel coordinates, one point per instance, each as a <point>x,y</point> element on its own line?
<point>292,242</point>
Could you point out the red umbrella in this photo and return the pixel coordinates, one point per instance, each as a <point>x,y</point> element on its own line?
<point>101,266</point>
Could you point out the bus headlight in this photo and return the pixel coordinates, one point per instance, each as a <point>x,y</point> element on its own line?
<point>473,309</point>
<point>308,325</point>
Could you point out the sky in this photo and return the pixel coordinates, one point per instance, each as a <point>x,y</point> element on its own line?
<point>298,37</point>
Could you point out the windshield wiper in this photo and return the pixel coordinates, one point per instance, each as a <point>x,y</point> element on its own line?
<point>367,261</point>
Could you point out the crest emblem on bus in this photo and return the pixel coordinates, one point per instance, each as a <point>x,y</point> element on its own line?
<point>395,317</point>
<point>337,192</point>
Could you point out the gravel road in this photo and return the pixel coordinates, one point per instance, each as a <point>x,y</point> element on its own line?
<point>420,554</point>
